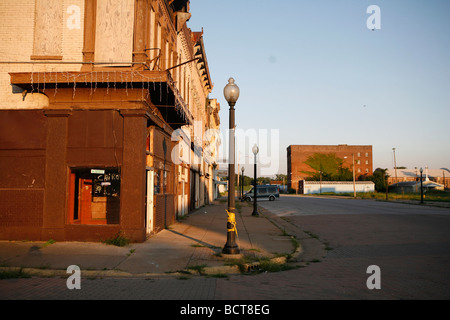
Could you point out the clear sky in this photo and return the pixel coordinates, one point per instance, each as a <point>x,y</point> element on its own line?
<point>312,71</point>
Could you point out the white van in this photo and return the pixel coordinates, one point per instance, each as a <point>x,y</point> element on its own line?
<point>270,192</point>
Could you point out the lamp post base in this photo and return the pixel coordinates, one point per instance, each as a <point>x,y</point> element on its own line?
<point>231,250</point>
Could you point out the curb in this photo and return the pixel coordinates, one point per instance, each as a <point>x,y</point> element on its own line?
<point>51,273</point>
<point>238,268</point>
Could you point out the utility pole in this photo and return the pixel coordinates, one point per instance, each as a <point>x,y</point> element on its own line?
<point>354,178</point>
<point>395,166</point>
<point>443,178</point>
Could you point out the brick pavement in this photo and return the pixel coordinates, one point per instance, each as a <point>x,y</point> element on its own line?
<point>413,253</point>
<point>199,288</point>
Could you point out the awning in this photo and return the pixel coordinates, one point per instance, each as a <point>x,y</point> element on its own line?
<point>155,87</point>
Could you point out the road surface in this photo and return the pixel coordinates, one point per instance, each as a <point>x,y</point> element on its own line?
<point>341,240</point>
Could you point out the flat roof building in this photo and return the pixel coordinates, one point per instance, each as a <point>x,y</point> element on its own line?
<point>298,155</point>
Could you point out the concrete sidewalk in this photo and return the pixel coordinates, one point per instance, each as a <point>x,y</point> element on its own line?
<point>192,245</point>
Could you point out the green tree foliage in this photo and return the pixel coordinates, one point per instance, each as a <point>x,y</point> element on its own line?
<point>280,177</point>
<point>247,180</point>
<point>327,167</point>
<point>379,178</point>
<point>263,180</point>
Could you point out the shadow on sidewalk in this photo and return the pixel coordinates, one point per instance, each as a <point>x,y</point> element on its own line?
<point>202,243</point>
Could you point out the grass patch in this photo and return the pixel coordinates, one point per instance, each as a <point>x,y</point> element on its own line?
<point>179,271</point>
<point>13,274</point>
<point>312,235</point>
<point>254,265</point>
<point>269,266</point>
<point>295,243</point>
<point>435,195</point>
<point>49,242</point>
<point>119,240</point>
<point>199,268</point>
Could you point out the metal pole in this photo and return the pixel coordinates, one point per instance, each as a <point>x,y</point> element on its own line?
<point>354,186</point>
<point>395,166</point>
<point>443,178</point>
<point>320,179</point>
<point>231,246</point>
<point>421,187</point>
<point>242,186</point>
<point>163,186</point>
<point>255,195</point>
<point>387,187</point>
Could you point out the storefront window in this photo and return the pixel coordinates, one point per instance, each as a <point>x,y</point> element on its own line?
<point>106,184</point>
<point>94,196</point>
<point>162,184</point>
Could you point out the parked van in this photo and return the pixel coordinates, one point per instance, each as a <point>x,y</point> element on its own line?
<point>270,192</point>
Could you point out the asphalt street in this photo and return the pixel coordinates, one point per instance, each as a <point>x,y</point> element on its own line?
<point>293,205</point>
<point>410,244</point>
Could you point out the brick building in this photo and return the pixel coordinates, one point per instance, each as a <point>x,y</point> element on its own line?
<point>441,176</point>
<point>297,155</point>
<point>91,96</point>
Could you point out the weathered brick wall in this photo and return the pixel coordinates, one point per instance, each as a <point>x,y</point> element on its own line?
<point>22,173</point>
<point>164,209</point>
<point>17,20</point>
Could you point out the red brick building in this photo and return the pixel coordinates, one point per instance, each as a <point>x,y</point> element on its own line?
<point>90,96</point>
<point>298,154</point>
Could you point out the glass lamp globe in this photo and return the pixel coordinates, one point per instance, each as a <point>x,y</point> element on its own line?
<point>255,149</point>
<point>231,92</point>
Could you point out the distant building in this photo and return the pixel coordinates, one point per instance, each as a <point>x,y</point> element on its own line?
<point>414,186</point>
<point>318,187</point>
<point>281,185</point>
<point>440,176</point>
<point>298,154</point>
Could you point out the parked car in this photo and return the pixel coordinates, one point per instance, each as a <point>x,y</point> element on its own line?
<point>270,192</point>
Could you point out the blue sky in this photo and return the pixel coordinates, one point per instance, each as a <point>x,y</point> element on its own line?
<point>312,70</point>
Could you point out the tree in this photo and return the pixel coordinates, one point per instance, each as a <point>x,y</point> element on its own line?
<point>262,180</point>
<point>379,178</point>
<point>280,177</point>
<point>247,180</point>
<point>328,167</point>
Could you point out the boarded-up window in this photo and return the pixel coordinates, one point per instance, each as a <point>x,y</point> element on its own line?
<point>114,31</point>
<point>48,29</point>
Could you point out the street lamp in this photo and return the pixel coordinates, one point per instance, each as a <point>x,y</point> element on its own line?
<point>387,186</point>
<point>255,150</point>
<point>242,183</point>
<point>231,93</point>
<point>353,165</point>
<point>421,186</point>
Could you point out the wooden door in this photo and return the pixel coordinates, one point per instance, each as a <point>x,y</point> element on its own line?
<point>85,200</point>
